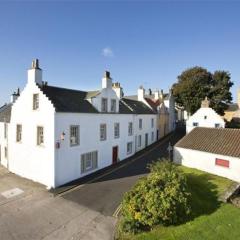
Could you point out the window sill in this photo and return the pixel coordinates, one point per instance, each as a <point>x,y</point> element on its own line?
<point>74,145</point>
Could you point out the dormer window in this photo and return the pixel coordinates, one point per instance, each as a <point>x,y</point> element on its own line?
<point>113,105</point>
<point>35,101</point>
<point>104,105</point>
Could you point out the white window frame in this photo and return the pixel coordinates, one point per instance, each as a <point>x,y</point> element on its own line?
<point>104,105</point>
<point>140,123</point>
<point>195,124</point>
<point>92,159</point>
<point>113,105</point>
<point>74,136</point>
<point>129,147</point>
<point>103,132</point>
<point>152,136</point>
<point>130,128</point>
<point>19,133</point>
<point>35,101</point>
<point>116,130</point>
<point>139,140</point>
<point>6,152</point>
<point>152,122</point>
<point>5,130</point>
<point>40,135</point>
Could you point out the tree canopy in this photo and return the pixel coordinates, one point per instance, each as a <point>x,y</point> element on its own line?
<point>196,83</point>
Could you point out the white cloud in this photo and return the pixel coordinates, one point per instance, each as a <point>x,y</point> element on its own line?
<point>107,52</point>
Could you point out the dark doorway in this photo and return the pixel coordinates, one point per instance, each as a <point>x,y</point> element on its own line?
<point>115,155</point>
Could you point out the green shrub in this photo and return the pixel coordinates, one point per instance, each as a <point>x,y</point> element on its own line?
<point>159,198</point>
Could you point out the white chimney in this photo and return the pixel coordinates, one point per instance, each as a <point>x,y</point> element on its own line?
<point>141,93</point>
<point>35,73</point>
<point>106,80</point>
<point>156,95</point>
<point>15,95</point>
<point>118,89</point>
<point>238,97</point>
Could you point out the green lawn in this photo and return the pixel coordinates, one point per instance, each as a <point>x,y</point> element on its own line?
<point>210,219</point>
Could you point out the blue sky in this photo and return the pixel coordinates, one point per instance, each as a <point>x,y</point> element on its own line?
<point>141,43</point>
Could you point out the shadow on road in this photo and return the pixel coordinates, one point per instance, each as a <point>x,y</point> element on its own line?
<point>104,194</point>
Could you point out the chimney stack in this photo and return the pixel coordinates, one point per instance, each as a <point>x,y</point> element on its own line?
<point>35,73</point>
<point>238,98</point>
<point>106,80</point>
<point>141,93</point>
<point>205,103</point>
<point>118,89</point>
<point>15,95</point>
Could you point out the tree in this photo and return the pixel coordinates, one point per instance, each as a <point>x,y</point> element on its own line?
<point>160,198</point>
<point>220,94</point>
<point>194,84</point>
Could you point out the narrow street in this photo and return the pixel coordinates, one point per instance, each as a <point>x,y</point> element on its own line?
<point>105,194</point>
<point>83,212</point>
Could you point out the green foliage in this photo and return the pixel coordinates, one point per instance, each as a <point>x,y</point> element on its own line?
<point>194,84</point>
<point>159,198</point>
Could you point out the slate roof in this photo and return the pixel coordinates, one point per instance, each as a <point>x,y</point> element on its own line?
<point>135,107</point>
<point>135,97</point>
<point>222,141</point>
<point>5,113</point>
<point>74,101</point>
<point>68,100</point>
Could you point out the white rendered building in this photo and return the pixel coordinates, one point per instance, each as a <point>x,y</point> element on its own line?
<point>213,150</point>
<point>204,117</point>
<point>55,135</point>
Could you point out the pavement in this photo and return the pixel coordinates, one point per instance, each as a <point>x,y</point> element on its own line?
<point>82,210</point>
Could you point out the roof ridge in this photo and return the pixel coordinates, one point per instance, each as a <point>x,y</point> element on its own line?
<point>64,88</point>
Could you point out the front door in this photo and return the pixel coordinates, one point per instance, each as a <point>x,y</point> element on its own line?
<point>115,155</point>
<point>146,139</point>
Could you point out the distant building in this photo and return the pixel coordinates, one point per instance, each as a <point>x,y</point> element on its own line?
<point>204,117</point>
<point>212,150</point>
<point>54,135</point>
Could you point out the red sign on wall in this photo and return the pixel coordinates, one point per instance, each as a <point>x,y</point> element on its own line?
<point>221,162</point>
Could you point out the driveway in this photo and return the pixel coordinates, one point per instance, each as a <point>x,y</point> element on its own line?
<point>82,211</point>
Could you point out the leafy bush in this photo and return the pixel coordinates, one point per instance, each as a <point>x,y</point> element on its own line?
<point>159,198</point>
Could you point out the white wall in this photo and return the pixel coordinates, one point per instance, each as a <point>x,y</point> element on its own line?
<point>3,144</point>
<point>108,93</point>
<point>211,119</point>
<point>206,162</point>
<point>68,159</point>
<point>26,158</point>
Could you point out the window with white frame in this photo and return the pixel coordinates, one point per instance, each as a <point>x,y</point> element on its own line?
<point>35,101</point>
<point>113,105</point>
<point>89,161</point>
<point>74,135</point>
<point>104,105</point>
<point>5,130</point>
<point>19,133</point>
<point>5,152</point>
<point>139,141</point>
<point>140,123</point>
<point>40,136</point>
<point>116,130</point>
<point>152,136</point>
<point>103,132</point>
<point>152,122</point>
<point>217,125</point>
<point>195,124</point>
<point>129,147</point>
<point>130,129</point>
